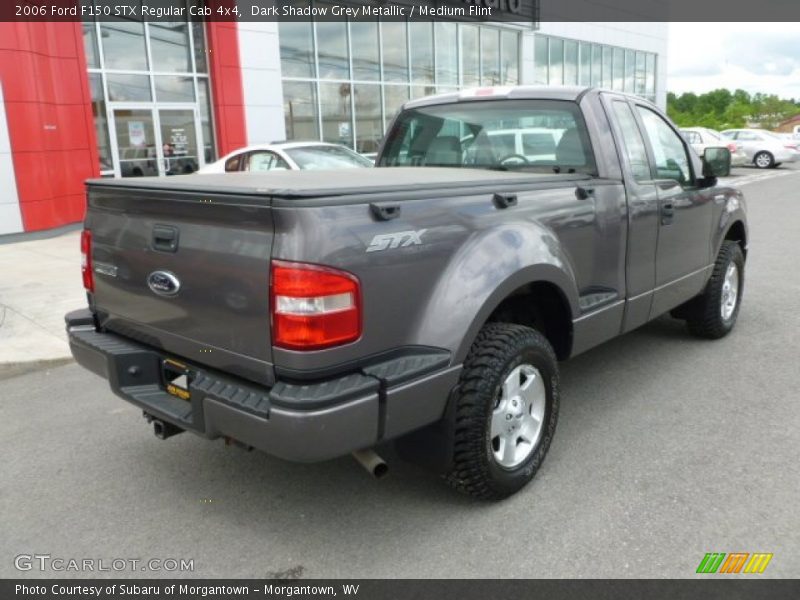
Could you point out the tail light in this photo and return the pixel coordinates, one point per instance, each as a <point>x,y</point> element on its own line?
<point>313,307</point>
<point>86,260</point>
<point>732,147</point>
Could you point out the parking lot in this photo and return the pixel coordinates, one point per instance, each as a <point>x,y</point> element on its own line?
<point>668,448</point>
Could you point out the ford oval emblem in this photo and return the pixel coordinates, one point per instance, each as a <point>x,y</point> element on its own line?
<point>163,283</point>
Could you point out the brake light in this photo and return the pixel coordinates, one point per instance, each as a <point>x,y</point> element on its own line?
<point>732,147</point>
<point>86,260</point>
<point>313,307</point>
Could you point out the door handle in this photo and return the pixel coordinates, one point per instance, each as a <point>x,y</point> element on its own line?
<point>667,212</point>
<point>165,238</point>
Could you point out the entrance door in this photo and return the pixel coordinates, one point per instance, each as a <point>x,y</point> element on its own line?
<point>155,141</point>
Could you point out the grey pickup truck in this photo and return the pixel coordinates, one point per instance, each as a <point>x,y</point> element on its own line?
<point>427,301</point>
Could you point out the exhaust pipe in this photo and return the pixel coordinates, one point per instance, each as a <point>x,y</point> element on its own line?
<point>373,463</point>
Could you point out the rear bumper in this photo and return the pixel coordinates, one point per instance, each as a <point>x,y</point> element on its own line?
<point>303,422</point>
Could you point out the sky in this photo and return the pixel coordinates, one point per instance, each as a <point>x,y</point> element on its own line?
<point>757,57</point>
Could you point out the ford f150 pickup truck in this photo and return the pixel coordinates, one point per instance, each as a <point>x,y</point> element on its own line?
<point>427,301</point>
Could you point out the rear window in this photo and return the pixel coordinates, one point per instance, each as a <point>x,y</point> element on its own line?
<point>326,157</point>
<point>484,134</point>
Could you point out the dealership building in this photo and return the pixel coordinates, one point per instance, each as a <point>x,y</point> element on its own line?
<point>131,98</point>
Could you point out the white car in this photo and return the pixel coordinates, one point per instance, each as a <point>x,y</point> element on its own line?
<point>282,156</point>
<point>700,138</point>
<point>764,149</point>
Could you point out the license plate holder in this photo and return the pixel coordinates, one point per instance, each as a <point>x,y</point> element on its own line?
<point>176,378</point>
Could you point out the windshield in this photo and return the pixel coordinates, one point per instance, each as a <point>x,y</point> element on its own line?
<point>326,157</point>
<point>533,135</point>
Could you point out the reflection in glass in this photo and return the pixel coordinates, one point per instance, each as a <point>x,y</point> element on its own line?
<point>128,88</point>
<point>332,50</point>
<point>608,79</point>
<point>100,121</point>
<point>490,56</point>
<point>297,47</point>
<point>470,57</point>
<point>136,143</point>
<point>204,102</point>
<point>199,39</point>
<point>90,45</point>
<point>639,75</point>
<point>540,60</point>
<point>169,46</point>
<point>300,110</point>
<point>650,84</point>
<point>123,45</point>
<point>420,91</point>
<point>178,141</point>
<point>369,121</point>
<point>421,33</point>
<point>446,53</point>
<point>630,69</point>
<point>334,102</point>
<point>570,63</point>
<point>619,70</point>
<point>394,96</point>
<point>395,51</point>
<point>174,88</point>
<point>585,76</point>
<point>556,61</point>
<point>597,65</point>
<point>364,46</point>
<point>509,53</point>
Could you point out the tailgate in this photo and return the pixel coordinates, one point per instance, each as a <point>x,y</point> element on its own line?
<point>185,272</point>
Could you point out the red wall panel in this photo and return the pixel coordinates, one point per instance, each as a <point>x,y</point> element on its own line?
<point>51,129</point>
<point>226,84</point>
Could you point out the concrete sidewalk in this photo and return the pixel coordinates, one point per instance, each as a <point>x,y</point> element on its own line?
<point>40,281</point>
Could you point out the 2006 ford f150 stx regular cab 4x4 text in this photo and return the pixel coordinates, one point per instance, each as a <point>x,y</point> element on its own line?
<point>426,301</point>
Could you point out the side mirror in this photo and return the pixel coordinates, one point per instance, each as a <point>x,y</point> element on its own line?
<point>716,162</point>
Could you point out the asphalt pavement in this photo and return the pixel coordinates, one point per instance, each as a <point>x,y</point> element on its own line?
<point>667,448</point>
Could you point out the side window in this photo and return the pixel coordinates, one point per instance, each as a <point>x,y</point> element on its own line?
<point>747,136</point>
<point>692,137</point>
<point>265,161</point>
<point>232,164</point>
<point>633,142</point>
<point>671,159</point>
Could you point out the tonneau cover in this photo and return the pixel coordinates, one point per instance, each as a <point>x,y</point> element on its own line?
<point>341,182</point>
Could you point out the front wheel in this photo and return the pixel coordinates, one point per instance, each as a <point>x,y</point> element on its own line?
<point>506,411</point>
<point>715,311</point>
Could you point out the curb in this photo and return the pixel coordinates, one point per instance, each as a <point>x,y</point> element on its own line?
<point>15,369</point>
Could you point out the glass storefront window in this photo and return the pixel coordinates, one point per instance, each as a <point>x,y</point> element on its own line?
<point>470,57</point>
<point>174,88</point>
<point>570,63</point>
<point>608,70</point>
<point>394,96</point>
<point>90,45</point>
<point>618,74</point>
<point>364,46</point>
<point>639,75</point>
<point>650,83</point>
<point>509,58</point>
<point>556,62</point>
<point>369,118</point>
<point>332,50</point>
<point>630,69</point>
<point>490,56</point>
<point>169,47</point>
<point>395,51</point>
<point>446,53</point>
<point>421,33</point>
<point>100,121</point>
<point>123,87</point>
<point>585,77</point>
<point>541,60</point>
<point>334,102</point>
<point>300,110</point>
<point>199,40</point>
<point>204,100</point>
<point>297,48</point>
<point>123,45</point>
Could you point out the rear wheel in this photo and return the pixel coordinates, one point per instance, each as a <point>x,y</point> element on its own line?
<point>764,160</point>
<point>506,411</point>
<point>713,314</point>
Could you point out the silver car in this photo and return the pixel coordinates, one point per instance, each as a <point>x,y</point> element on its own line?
<point>763,148</point>
<point>700,138</point>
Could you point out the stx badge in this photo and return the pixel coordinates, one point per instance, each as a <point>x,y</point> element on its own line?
<point>390,241</point>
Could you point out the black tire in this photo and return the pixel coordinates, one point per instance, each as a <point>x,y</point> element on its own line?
<point>498,349</point>
<point>764,160</point>
<point>704,316</point>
